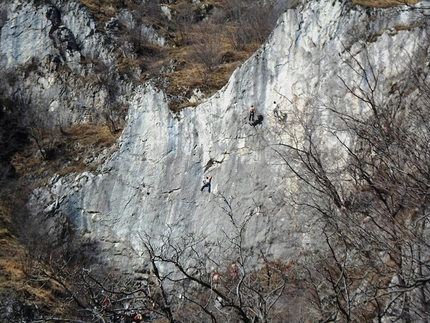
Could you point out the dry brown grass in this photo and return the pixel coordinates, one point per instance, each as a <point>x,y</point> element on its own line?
<point>91,135</point>
<point>17,268</point>
<point>384,3</point>
<point>14,283</point>
<point>191,74</point>
<point>102,10</point>
<point>74,147</point>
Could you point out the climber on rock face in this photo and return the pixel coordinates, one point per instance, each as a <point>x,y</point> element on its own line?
<point>280,115</point>
<point>207,183</point>
<point>251,113</point>
<point>234,271</point>
<point>255,118</point>
<point>216,279</point>
<point>275,109</point>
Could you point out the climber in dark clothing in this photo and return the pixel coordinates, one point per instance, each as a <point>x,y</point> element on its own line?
<point>251,113</point>
<point>207,183</point>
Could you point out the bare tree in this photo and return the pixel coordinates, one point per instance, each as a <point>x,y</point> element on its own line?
<point>372,210</point>
<point>207,50</point>
<point>184,278</point>
<point>250,22</point>
<point>200,281</point>
<point>182,21</point>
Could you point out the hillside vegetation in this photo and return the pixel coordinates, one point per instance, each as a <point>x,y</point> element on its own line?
<point>204,40</point>
<point>384,3</point>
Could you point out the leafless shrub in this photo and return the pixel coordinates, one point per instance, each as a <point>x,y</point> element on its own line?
<point>147,9</point>
<point>372,211</point>
<point>236,289</point>
<point>207,50</point>
<point>235,11</point>
<point>249,22</point>
<point>176,283</point>
<point>182,21</point>
<point>114,116</point>
<point>260,21</point>
<point>238,37</point>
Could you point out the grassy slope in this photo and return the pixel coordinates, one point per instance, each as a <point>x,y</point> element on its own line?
<point>384,3</point>
<point>16,266</point>
<point>14,282</point>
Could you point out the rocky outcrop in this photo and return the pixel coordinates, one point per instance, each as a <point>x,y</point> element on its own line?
<point>152,183</point>
<point>16,311</point>
<point>62,63</point>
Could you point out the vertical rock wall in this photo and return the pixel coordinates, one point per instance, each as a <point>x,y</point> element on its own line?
<point>52,49</point>
<point>152,183</point>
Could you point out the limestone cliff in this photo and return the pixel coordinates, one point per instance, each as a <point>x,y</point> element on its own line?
<point>153,181</point>
<point>151,184</point>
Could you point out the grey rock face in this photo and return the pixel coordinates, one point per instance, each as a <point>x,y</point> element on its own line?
<point>54,49</point>
<point>37,31</point>
<point>17,311</point>
<point>152,183</point>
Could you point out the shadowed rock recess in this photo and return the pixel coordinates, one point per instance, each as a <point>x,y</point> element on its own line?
<point>316,61</point>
